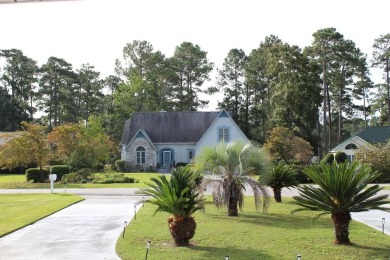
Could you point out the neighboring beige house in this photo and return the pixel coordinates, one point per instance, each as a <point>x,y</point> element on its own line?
<point>369,135</point>
<point>168,138</point>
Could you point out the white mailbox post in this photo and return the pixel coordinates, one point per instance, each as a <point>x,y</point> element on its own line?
<point>52,178</point>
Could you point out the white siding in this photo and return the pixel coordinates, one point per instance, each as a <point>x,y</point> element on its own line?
<point>210,138</point>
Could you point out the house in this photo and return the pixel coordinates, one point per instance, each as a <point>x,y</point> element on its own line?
<point>367,136</point>
<point>153,139</point>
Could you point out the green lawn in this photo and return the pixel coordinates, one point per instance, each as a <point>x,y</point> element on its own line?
<point>18,181</point>
<point>19,210</point>
<point>252,235</point>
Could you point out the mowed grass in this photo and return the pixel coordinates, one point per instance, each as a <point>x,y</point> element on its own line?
<point>19,210</point>
<point>18,181</point>
<point>253,235</point>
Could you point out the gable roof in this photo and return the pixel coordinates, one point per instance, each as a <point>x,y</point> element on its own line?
<point>370,134</point>
<point>169,127</point>
<point>375,134</point>
<point>352,140</point>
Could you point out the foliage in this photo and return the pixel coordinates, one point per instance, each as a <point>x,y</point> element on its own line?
<point>281,176</point>
<point>59,170</point>
<point>378,157</point>
<point>35,174</point>
<point>81,146</point>
<point>342,189</point>
<point>340,157</point>
<point>179,197</point>
<point>72,177</point>
<point>233,166</point>
<point>104,178</point>
<point>26,147</point>
<point>120,165</point>
<point>284,145</point>
<point>329,158</point>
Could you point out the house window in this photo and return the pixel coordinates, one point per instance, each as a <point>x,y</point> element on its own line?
<point>191,154</point>
<point>140,155</point>
<point>350,146</point>
<point>350,157</point>
<point>223,134</point>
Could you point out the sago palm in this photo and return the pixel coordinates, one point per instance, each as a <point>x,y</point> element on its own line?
<point>178,197</point>
<point>234,167</point>
<point>281,176</point>
<point>342,189</point>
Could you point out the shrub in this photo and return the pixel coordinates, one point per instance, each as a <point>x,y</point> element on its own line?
<point>104,178</point>
<point>113,167</point>
<point>60,170</point>
<point>181,164</point>
<point>83,181</point>
<point>98,167</point>
<point>329,158</point>
<point>85,173</point>
<point>120,165</point>
<point>35,174</point>
<point>73,177</point>
<point>341,157</point>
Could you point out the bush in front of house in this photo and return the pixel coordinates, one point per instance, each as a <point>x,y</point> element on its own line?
<point>329,158</point>
<point>72,177</point>
<point>104,178</point>
<point>341,157</point>
<point>59,170</point>
<point>34,174</point>
<point>181,164</point>
<point>120,165</point>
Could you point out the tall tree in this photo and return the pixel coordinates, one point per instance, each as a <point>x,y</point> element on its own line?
<point>11,112</point>
<point>381,59</point>
<point>231,79</point>
<point>91,96</point>
<point>19,77</point>
<point>56,89</point>
<point>191,69</point>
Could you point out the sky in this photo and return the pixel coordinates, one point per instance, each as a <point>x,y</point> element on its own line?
<point>95,31</point>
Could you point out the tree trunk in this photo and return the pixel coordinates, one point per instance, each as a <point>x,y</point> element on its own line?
<point>182,229</point>
<point>232,206</point>
<point>341,227</point>
<point>277,194</point>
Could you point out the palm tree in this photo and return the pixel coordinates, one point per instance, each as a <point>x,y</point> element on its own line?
<point>178,197</point>
<point>342,189</point>
<point>281,176</point>
<point>234,165</point>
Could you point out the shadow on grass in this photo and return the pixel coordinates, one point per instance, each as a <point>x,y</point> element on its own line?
<point>376,251</point>
<point>212,252</point>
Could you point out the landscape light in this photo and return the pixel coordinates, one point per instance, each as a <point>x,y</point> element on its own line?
<point>124,229</point>
<point>383,225</point>
<point>147,249</point>
<point>299,257</point>
<point>227,257</point>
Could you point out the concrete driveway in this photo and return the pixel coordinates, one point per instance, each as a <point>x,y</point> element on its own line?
<point>86,230</point>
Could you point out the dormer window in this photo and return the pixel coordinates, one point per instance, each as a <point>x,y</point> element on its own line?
<point>350,147</point>
<point>224,134</point>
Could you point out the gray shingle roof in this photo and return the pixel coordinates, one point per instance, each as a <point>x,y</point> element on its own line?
<point>169,127</point>
<point>375,134</point>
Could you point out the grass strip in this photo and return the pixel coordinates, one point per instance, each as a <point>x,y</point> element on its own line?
<point>252,235</point>
<point>20,210</point>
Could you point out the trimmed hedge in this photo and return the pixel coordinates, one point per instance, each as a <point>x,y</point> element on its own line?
<point>329,158</point>
<point>341,157</point>
<point>60,170</point>
<point>120,165</point>
<point>34,174</point>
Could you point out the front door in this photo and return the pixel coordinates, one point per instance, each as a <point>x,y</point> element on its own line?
<point>166,158</point>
